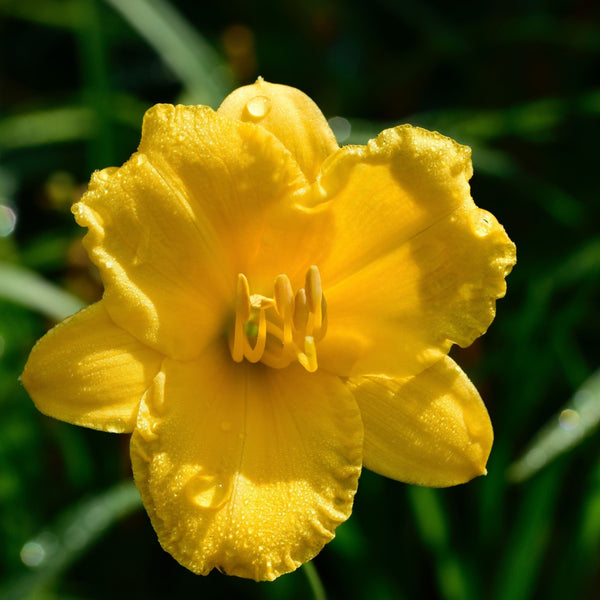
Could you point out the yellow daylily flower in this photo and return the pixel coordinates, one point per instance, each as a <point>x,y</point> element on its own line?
<point>277,313</point>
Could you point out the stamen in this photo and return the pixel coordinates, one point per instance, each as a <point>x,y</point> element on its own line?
<point>255,354</point>
<point>308,358</point>
<point>242,314</point>
<point>300,310</point>
<point>281,329</point>
<point>284,303</point>
<point>314,295</point>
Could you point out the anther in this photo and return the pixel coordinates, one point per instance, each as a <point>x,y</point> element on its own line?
<point>314,291</point>
<point>284,304</point>
<point>314,299</point>
<point>300,310</point>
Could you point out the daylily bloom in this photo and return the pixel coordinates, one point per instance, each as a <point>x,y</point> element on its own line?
<point>277,313</point>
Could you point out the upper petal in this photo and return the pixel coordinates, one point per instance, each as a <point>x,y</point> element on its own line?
<point>414,265</point>
<point>290,115</point>
<point>172,227</point>
<point>246,469</point>
<point>90,372</point>
<point>432,429</point>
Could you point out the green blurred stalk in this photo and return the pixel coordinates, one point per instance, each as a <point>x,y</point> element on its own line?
<point>525,550</point>
<point>314,581</point>
<point>578,566</point>
<point>432,521</point>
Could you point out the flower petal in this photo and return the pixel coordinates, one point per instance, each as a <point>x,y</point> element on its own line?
<point>90,372</point>
<point>431,430</point>
<point>290,115</point>
<point>246,469</point>
<point>171,229</point>
<point>415,266</point>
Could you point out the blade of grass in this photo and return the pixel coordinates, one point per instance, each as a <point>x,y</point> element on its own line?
<point>525,549</point>
<point>28,289</point>
<point>578,566</point>
<point>51,126</point>
<point>58,547</point>
<point>196,64</point>
<point>95,69</point>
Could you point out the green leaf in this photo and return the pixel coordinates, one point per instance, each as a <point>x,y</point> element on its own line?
<point>197,65</point>
<point>28,289</point>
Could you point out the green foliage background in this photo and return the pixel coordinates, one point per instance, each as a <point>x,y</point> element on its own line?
<point>515,80</point>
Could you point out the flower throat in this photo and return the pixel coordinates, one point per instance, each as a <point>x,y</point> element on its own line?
<point>277,331</point>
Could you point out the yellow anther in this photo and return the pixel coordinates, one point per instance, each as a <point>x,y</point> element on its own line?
<point>314,291</point>
<point>284,304</point>
<point>300,310</point>
<point>242,301</point>
<point>284,295</point>
<point>314,300</point>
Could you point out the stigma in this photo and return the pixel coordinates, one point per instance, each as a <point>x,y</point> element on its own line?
<point>279,330</point>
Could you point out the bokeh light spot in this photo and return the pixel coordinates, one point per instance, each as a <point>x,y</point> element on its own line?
<point>568,419</point>
<point>341,128</point>
<point>8,220</point>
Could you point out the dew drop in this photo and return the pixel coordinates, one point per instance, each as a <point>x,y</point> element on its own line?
<point>481,222</point>
<point>208,491</point>
<point>8,220</point>
<point>33,554</point>
<point>258,107</point>
<point>36,552</point>
<point>568,419</point>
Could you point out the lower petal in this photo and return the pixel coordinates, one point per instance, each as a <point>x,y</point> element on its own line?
<point>431,430</point>
<point>89,372</point>
<point>243,468</point>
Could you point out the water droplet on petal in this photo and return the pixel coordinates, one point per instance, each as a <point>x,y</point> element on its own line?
<point>226,426</point>
<point>208,491</point>
<point>258,107</point>
<point>481,222</point>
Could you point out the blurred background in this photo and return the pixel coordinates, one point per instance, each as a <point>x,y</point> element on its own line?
<point>517,81</point>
